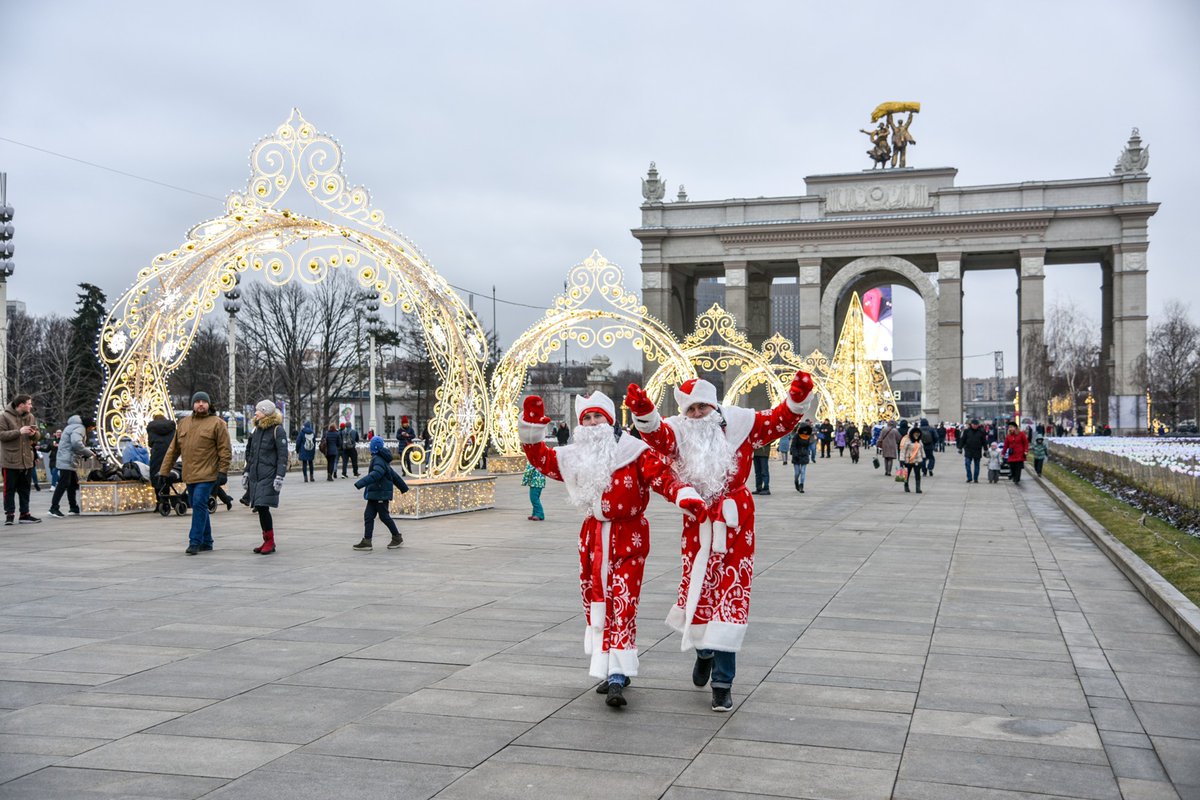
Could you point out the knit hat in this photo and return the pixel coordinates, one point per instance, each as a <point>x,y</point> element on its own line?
<point>595,402</point>
<point>697,390</point>
<point>265,407</point>
<point>198,396</point>
<point>377,444</point>
<point>404,420</point>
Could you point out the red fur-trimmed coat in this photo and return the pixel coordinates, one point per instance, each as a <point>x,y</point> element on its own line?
<point>713,605</point>
<point>613,543</point>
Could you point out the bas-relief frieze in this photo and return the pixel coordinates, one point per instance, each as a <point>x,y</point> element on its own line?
<point>877,197</point>
<point>652,279</point>
<point>950,270</point>
<point>1033,267</point>
<point>1133,262</point>
<point>735,276</point>
<point>810,275</point>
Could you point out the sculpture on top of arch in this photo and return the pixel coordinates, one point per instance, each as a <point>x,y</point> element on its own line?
<point>151,327</point>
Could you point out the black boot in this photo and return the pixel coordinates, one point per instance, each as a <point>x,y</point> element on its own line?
<point>802,488</point>
<point>702,670</point>
<point>616,696</point>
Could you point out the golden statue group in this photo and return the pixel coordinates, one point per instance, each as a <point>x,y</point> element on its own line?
<point>881,153</point>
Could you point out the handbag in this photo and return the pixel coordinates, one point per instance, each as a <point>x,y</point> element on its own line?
<point>875,461</point>
<point>901,474</point>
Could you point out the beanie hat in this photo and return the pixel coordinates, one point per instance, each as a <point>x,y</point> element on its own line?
<point>198,396</point>
<point>266,407</point>
<point>697,390</point>
<point>595,402</point>
<point>376,444</point>
<point>404,420</point>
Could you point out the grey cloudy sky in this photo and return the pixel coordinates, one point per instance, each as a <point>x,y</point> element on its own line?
<point>508,139</point>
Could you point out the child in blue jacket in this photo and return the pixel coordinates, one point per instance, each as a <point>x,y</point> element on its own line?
<point>377,490</point>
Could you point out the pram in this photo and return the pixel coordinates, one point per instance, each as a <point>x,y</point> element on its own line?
<point>172,494</point>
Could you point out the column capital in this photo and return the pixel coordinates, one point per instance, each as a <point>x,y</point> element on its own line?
<point>949,255</point>
<point>1032,252</point>
<point>1130,247</point>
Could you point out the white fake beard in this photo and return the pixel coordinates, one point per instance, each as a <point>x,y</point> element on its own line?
<point>596,451</point>
<point>705,458</point>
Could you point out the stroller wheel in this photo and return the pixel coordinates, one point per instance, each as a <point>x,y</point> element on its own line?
<point>164,509</point>
<point>181,507</point>
<point>212,504</point>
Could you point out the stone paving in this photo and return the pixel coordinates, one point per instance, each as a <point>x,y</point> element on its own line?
<point>966,643</point>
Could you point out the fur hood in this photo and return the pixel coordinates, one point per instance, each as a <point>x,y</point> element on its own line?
<point>269,420</point>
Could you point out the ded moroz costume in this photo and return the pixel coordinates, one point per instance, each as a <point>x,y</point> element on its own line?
<point>609,479</point>
<point>712,447</point>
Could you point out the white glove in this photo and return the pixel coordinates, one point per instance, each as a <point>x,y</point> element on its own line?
<point>278,483</point>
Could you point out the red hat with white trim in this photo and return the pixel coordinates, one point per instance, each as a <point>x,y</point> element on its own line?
<point>595,402</point>
<point>697,390</point>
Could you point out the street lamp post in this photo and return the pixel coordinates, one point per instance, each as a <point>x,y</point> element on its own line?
<point>232,305</point>
<point>371,299</point>
<point>7,266</point>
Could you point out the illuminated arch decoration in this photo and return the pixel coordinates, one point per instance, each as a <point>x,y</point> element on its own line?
<point>782,364</point>
<point>716,345</point>
<point>858,385</point>
<point>149,331</point>
<point>595,296</point>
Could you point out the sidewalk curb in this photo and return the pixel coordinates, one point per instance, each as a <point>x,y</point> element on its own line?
<point>1179,612</point>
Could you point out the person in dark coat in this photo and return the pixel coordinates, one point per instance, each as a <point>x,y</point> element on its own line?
<point>377,491</point>
<point>971,443</point>
<point>331,446</point>
<point>801,452</point>
<point>159,434</point>
<point>306,450</point>
<point>266,464</point>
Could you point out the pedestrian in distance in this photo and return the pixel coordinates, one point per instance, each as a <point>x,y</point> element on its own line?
<point>971,444</point>
<point>912,456</point>
<point>889,446</point>
<point>18,434</point>
<point>929,443</point>
<point>71,451</point>
<point>348,438</point>
<point>825,435</point>
<point>854,444</point>
<point>785,447</point>
<point>377,486</point>
<point>801,453</point>
<point>994,463</point>
<point>1040,452</point>
<point>609,478</point>
<point>407,436</point>
<point>306,450</point>
<point>839,440</point>
<point>331,447</point>
<point>536,481</point>
<point>266,465</point>
<point>762,469</point>
<point>562,434</point>
<point>1016,447</point>
<point>712,446</point>
<point>202,440</point>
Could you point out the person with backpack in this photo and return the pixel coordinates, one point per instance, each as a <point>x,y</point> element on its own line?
<point>349,444</point>
<point>266,464</point>
<point>377,487</point>
<point>306,450</point>
<point>801,451</point>
<point>331,446</point>
<point>928,441</point>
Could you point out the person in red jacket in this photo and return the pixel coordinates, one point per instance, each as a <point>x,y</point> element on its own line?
<point>713,446</point>
<point>608,479</point>
<point>1016,447</point>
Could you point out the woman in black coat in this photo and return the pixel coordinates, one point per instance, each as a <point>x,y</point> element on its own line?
<point>331,446</point>
<point>266,464</point>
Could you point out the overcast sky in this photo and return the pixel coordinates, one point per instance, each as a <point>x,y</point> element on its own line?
<point>507,139</point>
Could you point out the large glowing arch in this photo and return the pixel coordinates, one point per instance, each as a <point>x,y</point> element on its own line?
<point>151,327</point>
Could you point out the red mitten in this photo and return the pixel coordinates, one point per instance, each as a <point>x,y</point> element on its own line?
<point>802,386</point>
<point>693,506</point>
<point>534,411</point>
<point>637,401</point>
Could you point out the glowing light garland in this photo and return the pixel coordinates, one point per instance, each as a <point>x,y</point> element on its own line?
<point>857,386</point>
<point>150,329</point>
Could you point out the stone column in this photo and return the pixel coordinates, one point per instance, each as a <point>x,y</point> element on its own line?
<point>758,308</point>
<point>1127,401</point>
<point>737,291</point>
<point>948,356</point>
<point>1033,367</point>
<point>809,278</point>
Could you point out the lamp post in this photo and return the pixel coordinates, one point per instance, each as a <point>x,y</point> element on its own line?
<point>233,304</point>
<point>7,267</point>
<point>371,298</point>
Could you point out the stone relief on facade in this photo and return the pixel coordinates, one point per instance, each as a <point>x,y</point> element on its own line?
<point>1133,262</point>
<point>1033,266</point>
<point>950,270</point>
<point>810,275</point>
<point>1134,158</point>
<point>877,197</point>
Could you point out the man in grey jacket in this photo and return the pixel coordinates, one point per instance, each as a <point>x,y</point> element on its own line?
<point>71,448</point>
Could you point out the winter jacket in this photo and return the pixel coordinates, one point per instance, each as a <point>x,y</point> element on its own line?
<point>911,452</point>
<point>159,434</point>
<point>1039,449</point>
<point>349,438</point>
<point>800,449</point>
<point>380,478</point>
<point>304,451</point>
<point>889,443</point>
<point>1016,446</point>
<point>203,442</point>
<point>266,460</point>
<point>993,462</point>
<point>533,478</point>
<point>17,446</point>
<point>839,438</point>
<point>331,444</point>
<point>71,447</point>
<point>826,431</point>
<point>972,441</point>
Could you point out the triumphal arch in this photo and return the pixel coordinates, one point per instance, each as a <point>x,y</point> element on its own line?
<point>914,227</point>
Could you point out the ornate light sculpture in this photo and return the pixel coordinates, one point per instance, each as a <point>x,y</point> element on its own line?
<point>857,386</point>
<point>151,327</point>
<point>1089,401</point>
<point>620,316</point>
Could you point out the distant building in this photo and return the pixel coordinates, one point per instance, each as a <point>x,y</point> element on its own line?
<point>785,305</point>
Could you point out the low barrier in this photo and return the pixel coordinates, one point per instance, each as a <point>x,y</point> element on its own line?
<point>1159,481</point>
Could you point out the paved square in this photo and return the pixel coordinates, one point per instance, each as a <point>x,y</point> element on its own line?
<point>968,642</point>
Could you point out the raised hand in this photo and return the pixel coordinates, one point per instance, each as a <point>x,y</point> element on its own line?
<point>534,411</point>
<point>801,388</point>
<point>693,507</point>
<point>637,401</point>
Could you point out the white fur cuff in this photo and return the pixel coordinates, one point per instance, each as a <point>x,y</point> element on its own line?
<point>530,432</point>
<point>648,423</point>
<point>686,493</point>
<point>807,408</point>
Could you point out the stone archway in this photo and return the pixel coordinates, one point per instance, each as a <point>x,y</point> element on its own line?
<point>906,273</point>
<point>150,329</point>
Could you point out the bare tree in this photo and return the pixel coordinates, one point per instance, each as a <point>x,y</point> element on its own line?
<point>205,369</point>
<point>26,337</point>
<point>280,330</point>
<point>1173,359</point>
<point>338,354</point>
<point>1073,348</point>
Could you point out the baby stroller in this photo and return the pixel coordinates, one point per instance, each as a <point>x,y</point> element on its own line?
<point>172,494</point>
